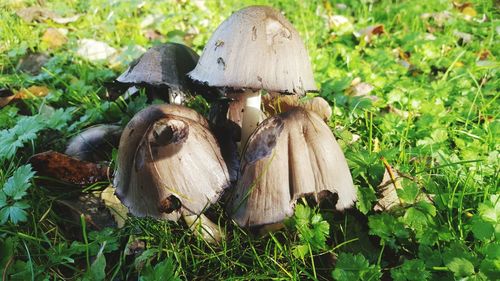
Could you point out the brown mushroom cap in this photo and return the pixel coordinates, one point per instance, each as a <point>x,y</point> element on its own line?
<point>256,48</point>
<point>289,156</point>
<point>169,163</point>
<point>164,65</point>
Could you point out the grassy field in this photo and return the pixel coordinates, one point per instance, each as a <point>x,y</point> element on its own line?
<point>414,89</point>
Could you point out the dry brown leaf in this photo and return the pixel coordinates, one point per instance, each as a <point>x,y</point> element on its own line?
<point>54,37</point>
<point>152,34</point>
<point>33,91</point>
<point>387,189</point>
<point>6,96</point>
<point>461,6</point>
<point>32,63</point>
<point>369,32</point>
<point>34,13</point>
<point>66,169</point>
<point>484,54</point>
<point>115,206</point>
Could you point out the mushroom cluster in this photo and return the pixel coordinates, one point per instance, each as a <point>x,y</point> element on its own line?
<point>172,162</point>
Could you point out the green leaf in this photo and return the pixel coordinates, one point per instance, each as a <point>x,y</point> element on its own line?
<point>98,268</point>
<point>482,230</point>
<point>366,197</point>
<point>164,270</point>
<point>388,228</point>
<point>411,270</point>
<point>461,267</point>
<point>490,210</point>
<point>14,213</point>
<point>300,251</point>
<point>491,268</point>
<point>426,208</point>
<point>59,118</point>
<point>420,215</point>
<point>3,199</point>
<point>311,227</point>
<point>17,185</point>
<point>351,267</point>
<point>409,193</point>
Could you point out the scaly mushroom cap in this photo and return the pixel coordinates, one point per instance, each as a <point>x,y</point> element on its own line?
<point>162,65</point>
<point>256,48</point>
<point>169,163</point>
<point>289,156</point>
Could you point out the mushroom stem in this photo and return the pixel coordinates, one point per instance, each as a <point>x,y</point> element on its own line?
<point>252,115</point>
<point>201,225</point>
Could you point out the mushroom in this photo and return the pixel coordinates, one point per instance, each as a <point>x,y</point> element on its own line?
<point>162,70</point>
<point>95,143</point>
<point>169,164</point>
<point>275,104</point>
<point>289,156</point>
<point>255,49</point>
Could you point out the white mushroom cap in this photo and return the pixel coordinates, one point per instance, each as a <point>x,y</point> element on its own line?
<point>169,164</point>
<point>256,48</point>
<point>289,156</point>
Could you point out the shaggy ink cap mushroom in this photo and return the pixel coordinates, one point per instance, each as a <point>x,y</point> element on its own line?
<point>290,155</point>
<point>163,68</point>
<point>169,164</point>
<point>255,49</point>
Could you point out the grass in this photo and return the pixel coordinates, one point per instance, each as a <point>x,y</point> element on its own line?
<point>433,115</point>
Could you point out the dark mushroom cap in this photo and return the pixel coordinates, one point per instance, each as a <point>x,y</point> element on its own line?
<point>164,65</point>
<point>95,143</point>
<point>256,48</point>
<point>169,163</point>
<point>289,156</point>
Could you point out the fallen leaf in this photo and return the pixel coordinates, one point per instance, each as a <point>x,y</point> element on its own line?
<point>114,205</point>
<point>152,34</point>
<point>33,91</point>
<point>54,37</point>
<point>463,37</point>
<point>362,89</point>
<point>387,189</point>
<point>62,20</point>
<point>93,50</point>
<point>32,63</point>
<point>6,96</point>
<point>369,32</point>
<point>34,13</point>
<point>31,14</point>
<point>484,54</point>
<point>469,11</point>
<point>439,18</point>
<point>340,24</point>
<point>66,169</point>
<point>461,6</point>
